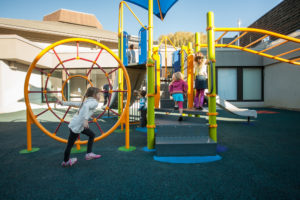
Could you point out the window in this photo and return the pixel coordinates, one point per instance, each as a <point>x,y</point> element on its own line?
<point>54,84</point>
<point>240,83</point>
<point>252,84</point>
<point>227,83</point>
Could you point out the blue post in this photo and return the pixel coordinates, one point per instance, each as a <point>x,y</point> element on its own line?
<point>142,46</point>
<point>125,48</point>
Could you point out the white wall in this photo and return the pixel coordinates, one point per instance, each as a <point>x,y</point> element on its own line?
<point>282,86</point>
<point>12,80</point>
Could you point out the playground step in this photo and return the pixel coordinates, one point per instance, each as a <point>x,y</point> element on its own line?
<point>168,103</point>
<point>185,111</point>
<point>185,146</point>
<point>184,130</point>
<point>188,139</point>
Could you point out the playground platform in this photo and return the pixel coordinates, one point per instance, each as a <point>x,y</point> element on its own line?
<point>261,162</point>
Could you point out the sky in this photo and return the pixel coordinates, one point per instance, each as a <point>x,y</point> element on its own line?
<point>185,15</point>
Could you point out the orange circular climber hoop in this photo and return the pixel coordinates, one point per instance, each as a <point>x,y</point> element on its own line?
<point>94,63</point>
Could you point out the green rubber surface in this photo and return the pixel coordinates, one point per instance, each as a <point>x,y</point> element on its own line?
<point>261,162</point>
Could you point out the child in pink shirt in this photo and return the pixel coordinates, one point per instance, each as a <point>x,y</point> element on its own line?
<point>178,88</point>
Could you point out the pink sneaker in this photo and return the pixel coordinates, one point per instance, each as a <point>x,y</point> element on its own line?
<point>70,162</point>
<point>90,156</point>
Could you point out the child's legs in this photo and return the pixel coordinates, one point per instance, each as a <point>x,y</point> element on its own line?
<point>71,141</point>
<point>105,99</point>
<point>180,106</point>
<point>91,136</point>
<point>143,121</point>
<point>201,97</point>
<point>196,99</point>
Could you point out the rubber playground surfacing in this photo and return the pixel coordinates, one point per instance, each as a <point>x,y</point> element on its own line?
<point>262,162</point>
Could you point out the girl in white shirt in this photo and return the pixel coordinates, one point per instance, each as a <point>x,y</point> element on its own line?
<point>200,68</point>
<point>80,124</point>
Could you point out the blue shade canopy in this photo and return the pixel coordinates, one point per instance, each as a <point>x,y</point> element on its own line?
<point>160,7</point>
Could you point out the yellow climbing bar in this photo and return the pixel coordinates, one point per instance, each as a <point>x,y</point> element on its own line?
<point>123,2</point>
<point>262,52</point>
<point>258,31</point>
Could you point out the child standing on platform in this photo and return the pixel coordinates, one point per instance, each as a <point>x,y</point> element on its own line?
<point>178,88</point>
<point>143,108</point>
<point>200,68</point>
<point>80,124</point>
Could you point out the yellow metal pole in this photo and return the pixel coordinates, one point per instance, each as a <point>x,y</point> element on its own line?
<point>197,49</point>
<point>150,27</point>
<point>28,123</point>
<point>197,42</point>
<point>156,57</point>
<point>190,77</point>
<point>166,60</point>
<point>127,135</point>
<point>182,60</point>
<point>120,71</point>
<point>150,81</point>
<point>211,75</point>
<point>297,40</point>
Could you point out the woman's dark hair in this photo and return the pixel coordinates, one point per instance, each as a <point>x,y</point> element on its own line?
<point>131,46</point>
<point>143,93</point>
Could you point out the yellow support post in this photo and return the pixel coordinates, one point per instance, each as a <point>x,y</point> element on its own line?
<point>156,57</point>
<point>29,139</point>
<point>190,76</point>
<point>166,60</point>
<point>197,42</point>
<point>120,71</point>
<point>211,75</point>
<point>197,49</point>
<point>127,135</point>
<point>182,60</point>
<point>29,148</point>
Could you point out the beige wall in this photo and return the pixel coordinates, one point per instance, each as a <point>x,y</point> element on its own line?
<point>16,48</point>
<point>17,53</point>
<point>281,88</point>
<point>282,80</point>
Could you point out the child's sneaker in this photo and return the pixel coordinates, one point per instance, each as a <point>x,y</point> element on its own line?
<point>70,162</point>
<point>90,156</point>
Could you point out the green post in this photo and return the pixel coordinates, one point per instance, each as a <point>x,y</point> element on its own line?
<point>211,74</point>
<point>150,105</point>
<point>150,81</point>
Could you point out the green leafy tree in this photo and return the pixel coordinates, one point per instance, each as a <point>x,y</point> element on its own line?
<point>183,38</point>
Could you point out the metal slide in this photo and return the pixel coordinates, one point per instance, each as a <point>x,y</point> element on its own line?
<point>235,110</point>
<point>137,74</point>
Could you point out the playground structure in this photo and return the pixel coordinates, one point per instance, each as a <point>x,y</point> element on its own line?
<point>153,70</point>
<point>32,118</point>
